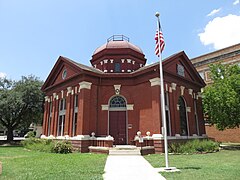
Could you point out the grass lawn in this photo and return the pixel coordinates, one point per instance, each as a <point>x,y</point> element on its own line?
<point>220,165</point>
<point>19,163</point>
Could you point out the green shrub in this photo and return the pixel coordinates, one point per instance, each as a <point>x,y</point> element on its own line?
<point>30,134</point>
<point>194,146</point>
<point>47,145</point>
<point>37,144</point>
<point>62,147</point>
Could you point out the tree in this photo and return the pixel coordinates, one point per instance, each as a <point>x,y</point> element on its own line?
<point>21,103</point>
<point>221,100</point>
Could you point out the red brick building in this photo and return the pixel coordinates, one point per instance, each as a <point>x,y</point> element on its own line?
<point>119,96</point>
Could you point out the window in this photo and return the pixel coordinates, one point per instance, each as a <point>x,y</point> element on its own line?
<point>117,102</point>
<point>64,74</point>
<point>168,122</point>
<point>74,133</point>
<point>61,117</point>
<point>76,100</point>
<point>180,70</point>
<point>49,119</point>
<point>183,117</point>
<point>74,121</point>
<point>62,104</point>
<point>61,122</point>
<point>117,67</point>
<point>196,117</point>
<point>207,75</point>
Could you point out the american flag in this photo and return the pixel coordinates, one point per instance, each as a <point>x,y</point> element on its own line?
<point>162,43</point>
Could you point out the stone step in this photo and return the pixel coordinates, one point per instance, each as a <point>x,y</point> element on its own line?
<point>125,147</point>
<point>125,152</point>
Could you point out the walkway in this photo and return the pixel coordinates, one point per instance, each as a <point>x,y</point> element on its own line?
<point>129,167</point>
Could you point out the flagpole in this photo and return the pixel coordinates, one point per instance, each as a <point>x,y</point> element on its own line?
<point>162,99</point>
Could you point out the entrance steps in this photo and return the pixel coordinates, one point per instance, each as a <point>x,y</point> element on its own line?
<point>125,150</point>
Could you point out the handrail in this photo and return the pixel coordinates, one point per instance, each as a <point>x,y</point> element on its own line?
<point>118,38</point>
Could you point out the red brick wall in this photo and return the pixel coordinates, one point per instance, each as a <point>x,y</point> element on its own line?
<point>228,135</point>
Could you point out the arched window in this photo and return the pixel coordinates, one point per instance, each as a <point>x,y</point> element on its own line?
<point>117,102</point>
<point>183,116</point>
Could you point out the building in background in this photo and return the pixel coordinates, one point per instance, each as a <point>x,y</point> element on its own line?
<point>229,55</point>
<point>119,96</point>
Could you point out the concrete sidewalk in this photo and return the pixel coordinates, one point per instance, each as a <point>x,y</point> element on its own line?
<point>126,167</point>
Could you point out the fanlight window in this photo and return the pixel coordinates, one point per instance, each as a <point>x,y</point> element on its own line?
<point>117,102</point>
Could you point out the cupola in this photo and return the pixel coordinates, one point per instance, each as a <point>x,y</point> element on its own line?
<point>118,55</point>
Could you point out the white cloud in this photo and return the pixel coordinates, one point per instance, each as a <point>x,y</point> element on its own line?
<point>3,75</point>
<point>221,32</point>
<point>213,12</point>
<point>236,2</point>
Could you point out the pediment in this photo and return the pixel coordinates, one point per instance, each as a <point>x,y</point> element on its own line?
<point>180,66</point>
<point>63,70</point>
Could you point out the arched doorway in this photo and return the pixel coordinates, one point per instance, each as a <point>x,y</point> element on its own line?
<point>183,116</point>
<point>118,120</point>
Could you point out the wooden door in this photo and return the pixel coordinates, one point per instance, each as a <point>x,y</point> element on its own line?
<point>117,126</point>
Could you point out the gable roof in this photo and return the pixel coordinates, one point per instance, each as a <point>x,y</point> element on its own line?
<point>168,64</point>
<point>75,67</point>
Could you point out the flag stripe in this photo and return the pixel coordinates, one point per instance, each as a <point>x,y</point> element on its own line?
<point>162,43</point>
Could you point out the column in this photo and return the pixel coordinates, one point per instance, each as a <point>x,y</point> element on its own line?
<point>84,108</point>
<point>45,116</point>
<point>156,112</point>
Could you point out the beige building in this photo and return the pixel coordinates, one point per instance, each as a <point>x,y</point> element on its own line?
<point>228,55</point>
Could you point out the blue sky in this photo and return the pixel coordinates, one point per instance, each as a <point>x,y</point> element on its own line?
<point>34,33</point>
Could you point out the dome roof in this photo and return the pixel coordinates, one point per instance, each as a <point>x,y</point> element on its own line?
<point>116,44</point>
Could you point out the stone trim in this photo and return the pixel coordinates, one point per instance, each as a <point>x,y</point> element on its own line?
<point>129,60</point>
<point>166,86</point>
<point>174,85</point>
<point>105,107</point>
<point>155,81</point>
<point>47,99</point>
<point>190,91</point>
<point>117,88</point>
<point>182,90</point>
<point>177,136</point>
<point>130,107</point>
<point>78,137</point>
<point>55,96</point>
<point>76,89</point>
<point>188,109</point>
<point>84,85</point>
<point>70,91</point>
<point>62,93</point>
